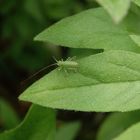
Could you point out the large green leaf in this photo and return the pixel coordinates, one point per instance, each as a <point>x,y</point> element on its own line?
<point>133,133</point>
<point>108,81</point>
<point>39,124</point>
<point>117,123</point>
<point>116,8</point>
<point>89,29</point>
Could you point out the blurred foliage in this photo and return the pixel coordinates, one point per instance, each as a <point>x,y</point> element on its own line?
<point>20,56</point>
<point>68,131</point>
<point>22,20</point>
<point>8,116</point>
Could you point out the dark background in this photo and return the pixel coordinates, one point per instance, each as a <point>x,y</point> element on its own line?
<point>21,57</point>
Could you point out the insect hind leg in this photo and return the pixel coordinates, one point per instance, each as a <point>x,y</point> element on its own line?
<point>73,69</point>
<point>71,58</point>
<point>60,68</point>
<point>66,71</point>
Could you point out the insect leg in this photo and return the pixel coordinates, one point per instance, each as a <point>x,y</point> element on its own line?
<point>65,70</point>
<point>60,68</point>
<point>73,69</point>
<point>68,59</point>
<point>71,58</point>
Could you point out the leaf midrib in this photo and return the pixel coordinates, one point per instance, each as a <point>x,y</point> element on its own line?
<point>88,85</point>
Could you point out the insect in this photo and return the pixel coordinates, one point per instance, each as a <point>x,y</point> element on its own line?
<point>68,65</point>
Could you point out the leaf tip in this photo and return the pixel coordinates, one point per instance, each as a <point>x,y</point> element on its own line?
<point>22,97</point>
<point>36,38</point>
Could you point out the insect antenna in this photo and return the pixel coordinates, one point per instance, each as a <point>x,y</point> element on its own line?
<point>30,77</point>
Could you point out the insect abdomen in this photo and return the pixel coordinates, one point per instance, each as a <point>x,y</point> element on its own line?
<point>67,64</point>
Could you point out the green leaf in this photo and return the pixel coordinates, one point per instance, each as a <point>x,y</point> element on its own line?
<point>131,22</point>
<point>136,39</point>
<point>68,131</point>
<point>108,81</point>
<point>89,29</point>
<point>39,124</point>
<point>137,2</point>
<point>117,123</point>
<point>116,8</point>
<point>133,133</point>
<point>7,115</point>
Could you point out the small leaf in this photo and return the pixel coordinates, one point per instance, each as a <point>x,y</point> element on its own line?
<point>39,124</point>
<point>108,81</point>
<point>89,29</point>
<point>132,133</point>
<point>68,131</point>
<point>116,8</point>
<point>117,123</point>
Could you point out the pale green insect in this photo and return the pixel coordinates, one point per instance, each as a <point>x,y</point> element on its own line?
<point>68,65</point>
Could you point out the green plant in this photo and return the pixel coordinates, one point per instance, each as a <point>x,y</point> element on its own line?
<point>107,78</point>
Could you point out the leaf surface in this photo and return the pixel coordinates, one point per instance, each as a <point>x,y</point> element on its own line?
<point>108,81</point>
<point>136,39</point>
<point>116,8</point>
<point>132,133</point>
<point>68,131</point>
<point>137,2</point>
<point>89,29</point>
<point>117,123</point>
